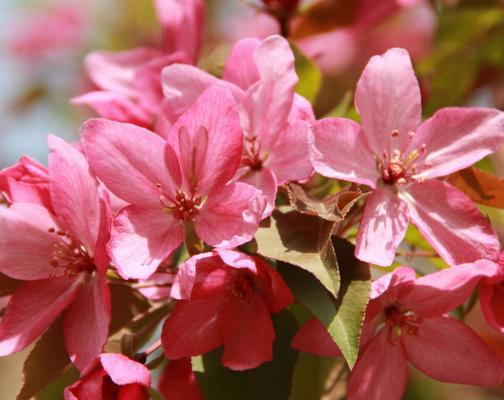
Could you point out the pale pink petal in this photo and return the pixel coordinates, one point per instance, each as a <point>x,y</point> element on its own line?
<point>456,138</point>
<point>74,193</point>
<point>128,159</point>
<point>451,223</point>
<point>182,24</point>
<point>268,102</point>
<point>447,350</point>
<point>241,68</point>
<point>87,320</point>
<point>382,228</point>
<point>492,304</point>
<point>141,240</point>
<point>380,372</point>
<point>213,133</point>
<point>247,333</point>
<point>192,328</point>
<point>124,371</point>
<point>440,292</point>
<point>313,338</point>
<point>264,180</point>
<point>230,216</point>
<point>183,84</point>
<point>289,158</point>
<point>301,109</point>
<point>388,99</point>
<point>32,309</point>
<point>339,149</point>
<point>27,246</point>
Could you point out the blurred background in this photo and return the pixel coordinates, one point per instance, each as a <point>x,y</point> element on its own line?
<point>457,48</point>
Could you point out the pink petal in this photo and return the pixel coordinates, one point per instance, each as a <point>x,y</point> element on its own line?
<point>339,149</point>
<point>380,372</point>
<point>313,338</point>
<point>294,164</point>
<point>178,382</point>
<point>141,239</point>
<point>388,99</point>
<point>492,304</point>
<point>124,371</point>
<point>439,293</point>
<point>186,274</point>
<point>456,138</point>
<point>74,192</point>
<point>274,290</point>
<point>128,159</point>
<point>241,68</point>
<point>27,246</point>
<point>382,227</point>
<point>216,112</point>
<point>87,321</point>
<point>447,350</point>
<point>451,223</point>
<point>268,102</point>
<point>247,333</point>
<point>231,216</point>
<point>32,309</point>
<point>264,180</point>
<point>182,24</point>
<point>101,257</point>
<point>386,283</point>
<point>301,109</point>
<point>192,328</point>
<point>89,387</point>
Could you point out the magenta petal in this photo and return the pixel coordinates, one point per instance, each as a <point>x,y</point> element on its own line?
<point>101,257</point>
<point>178,381</point>
<point>492,304</point>
<point>87,321</point>
<point>447,350</point>
<point>230,216</point>
<point>440,292</point>
<point>339,149</point>
<point>88,387</point>
<point>247,333</point>
<point>124,371</point>
<point>380,372</point>
<point>264,180</point>
<point>382,227</point>
<point>451,223</point>
<point>385,283</point>
<point>74,193</point>
<point>32,309</point>
<point>388,99</point>
<point>241,68</point>
<point>456,138</point>
<point>313,338</point>
<point>141,239</point>
<point>192,328</point>
<point>27,246</point>
<point>128,159</point>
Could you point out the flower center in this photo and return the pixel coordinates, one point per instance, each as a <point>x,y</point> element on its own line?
<point>252,153</point>
<point>70,254</point>
<point>402,321</point>
<point>240,286</point>
<point>400,166</point>
<point>184,207</point>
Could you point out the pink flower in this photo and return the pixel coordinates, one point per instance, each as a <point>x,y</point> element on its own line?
<point>129,82</point>
<point>492,297</point>
<point>399,158</point>
<point>116,378</point>
<point>274,119</point>
<point>27,182</point>
<point>63,259</point>
<point>178,382</point>
<point>406,321</point>
<point>226,298</point>
<point>171,184</point>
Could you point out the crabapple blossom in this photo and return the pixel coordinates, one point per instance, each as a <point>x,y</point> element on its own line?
<point>491,293</point>
<point>400,159</point>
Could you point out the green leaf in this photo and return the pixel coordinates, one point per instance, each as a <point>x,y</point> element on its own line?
<point>270,381</point>
<point>47,361</point>
<point>310,376</point>
<point>302,240</point>
<point>343,107</point>
<point>54,390</point>
<point>127,302</point>
<point>155,395</point>
<point>310,77</point>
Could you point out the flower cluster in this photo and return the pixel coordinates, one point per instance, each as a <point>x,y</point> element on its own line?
<point>165,195</point>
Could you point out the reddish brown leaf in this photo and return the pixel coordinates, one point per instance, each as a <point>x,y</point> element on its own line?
<point>480,186</point>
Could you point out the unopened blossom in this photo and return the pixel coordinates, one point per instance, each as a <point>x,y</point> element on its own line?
<point>178,381</point>
<point>62,259</point>
<point>275,120</point>
<point>406,321</point>
<point>171,185</point>
<point>116,377</point>
<point>226,298</point>
<point>491,294</point>
<point>400,158</point>
<point>129,82</point>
